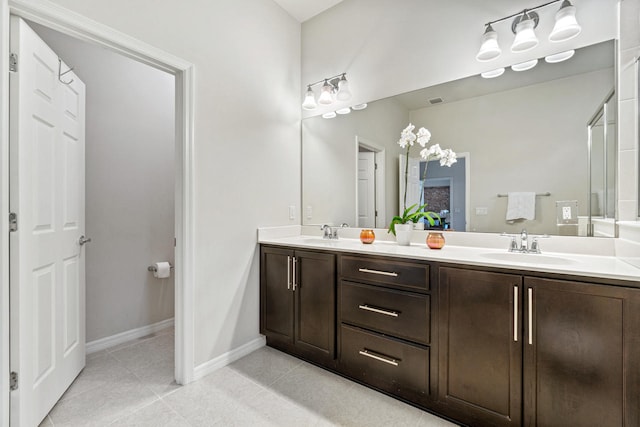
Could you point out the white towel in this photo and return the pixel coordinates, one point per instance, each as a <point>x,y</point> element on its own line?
<point>521,205</point>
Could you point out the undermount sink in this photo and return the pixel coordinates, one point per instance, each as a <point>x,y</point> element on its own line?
<point>318,240</point>
<point>528,258</point>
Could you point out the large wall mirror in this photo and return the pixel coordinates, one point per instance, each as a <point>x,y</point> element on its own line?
<point>524,131</point>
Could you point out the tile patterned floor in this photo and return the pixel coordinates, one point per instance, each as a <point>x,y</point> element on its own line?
<point>132,385</point>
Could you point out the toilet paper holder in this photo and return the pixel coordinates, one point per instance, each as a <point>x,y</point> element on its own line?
<point>153,268</point>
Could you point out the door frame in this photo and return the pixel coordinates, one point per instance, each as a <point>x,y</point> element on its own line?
<point>83,28</point>
<point>380,159</point>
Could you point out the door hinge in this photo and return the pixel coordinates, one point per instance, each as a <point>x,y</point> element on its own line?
<point>13,62</point>
<point>13,381</point>
<point>376,213</point>
<point>376,166</point>
<point>13,222</point>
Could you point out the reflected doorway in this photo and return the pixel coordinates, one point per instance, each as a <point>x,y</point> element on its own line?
<point>370,191</point>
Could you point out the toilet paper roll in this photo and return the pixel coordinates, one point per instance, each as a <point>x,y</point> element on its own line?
<point>163,270</point>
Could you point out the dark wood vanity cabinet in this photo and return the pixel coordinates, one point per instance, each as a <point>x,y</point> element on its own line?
<point>298,302</point>
<point>530,351</point>
<point>581,354</point>
<point>480,351</point>
<point>384,312</point>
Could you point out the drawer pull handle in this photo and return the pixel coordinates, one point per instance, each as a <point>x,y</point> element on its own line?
<point>382,273</point>
<point>378,310</point>
<point>379,357</point>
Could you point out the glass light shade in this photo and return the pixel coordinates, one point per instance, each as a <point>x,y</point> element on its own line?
<point>559,57</point>
<point>489,48</point>
<point>345,110</point>
<point>326,96</point>
<point>344,94</point>
<point>525,36</point>
<point>358,107</point>
<point>329,115</point>
<point>493,73</point>
<point>524,66</point>
<point>309,100</point>
<point>566,26</point>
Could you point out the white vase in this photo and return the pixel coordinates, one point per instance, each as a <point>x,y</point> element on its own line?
<point>403,234</point>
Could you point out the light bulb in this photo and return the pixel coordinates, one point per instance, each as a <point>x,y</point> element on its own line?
<point>489,48</point>
<point>559,57</point>
<point>326,96</point>
<point>309,100</point>
<point>493,73</point>
<point>344,94</point>
<point>566,26</point>
<point>525,35</point>
<point>524,66</point>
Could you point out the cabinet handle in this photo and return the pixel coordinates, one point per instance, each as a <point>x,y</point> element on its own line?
<point>515,313</point>
<point>379,357</point>
<point>289,272</point>
<point>378,310</point>
<point>295,261</point>
<point>530,297</point>
<point>382,273</point>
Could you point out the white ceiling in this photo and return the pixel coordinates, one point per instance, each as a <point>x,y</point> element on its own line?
<point>306,9</point>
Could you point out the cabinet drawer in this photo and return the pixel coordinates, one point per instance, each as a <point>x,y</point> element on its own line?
<point>390,365</point>
<point>397,313</point>
<point>403,274</point>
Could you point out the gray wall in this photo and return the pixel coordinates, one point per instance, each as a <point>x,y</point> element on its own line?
<point>539,146</point>
<point>130,142</point>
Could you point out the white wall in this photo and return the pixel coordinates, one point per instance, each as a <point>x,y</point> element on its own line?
<point>247,132</point>
<point>130,142</point>
<point>537,145</point>
<point>628,245</point>
<point>389,47</point>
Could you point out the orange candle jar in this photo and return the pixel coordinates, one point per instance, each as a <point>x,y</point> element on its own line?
<point>435,240</point>
<point>367,236</point>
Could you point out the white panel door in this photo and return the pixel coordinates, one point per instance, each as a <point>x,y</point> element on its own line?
<point>366,189</point>
<point>414,184</point>
<point>47,277</point>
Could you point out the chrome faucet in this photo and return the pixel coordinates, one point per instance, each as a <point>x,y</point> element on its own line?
<point>524,243</point>
<point>524,247</point>
<point>329,233</point>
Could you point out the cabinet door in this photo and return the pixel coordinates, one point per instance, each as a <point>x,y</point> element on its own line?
<point>582,352</point>
<point>315,311</point>
<point>480,370</point>
<point>276,319</point>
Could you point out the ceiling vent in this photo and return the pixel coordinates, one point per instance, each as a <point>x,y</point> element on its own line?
<point>434,101</point>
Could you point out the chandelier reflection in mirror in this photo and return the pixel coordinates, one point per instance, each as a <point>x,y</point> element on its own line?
<point>333,89</point>
<point>523,26</point>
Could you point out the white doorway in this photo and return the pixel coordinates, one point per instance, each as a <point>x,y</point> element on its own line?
<point>80,27</point>
<point>370,184</point>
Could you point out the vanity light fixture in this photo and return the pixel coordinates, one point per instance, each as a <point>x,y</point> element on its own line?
<point>359,107</point>
<point>329,115</point>
<point>523,26</point>
<point>493,73</point>
<point>524,66</point>
<point>345,110</point>
<point>333,88</point>
<point>559,57</point>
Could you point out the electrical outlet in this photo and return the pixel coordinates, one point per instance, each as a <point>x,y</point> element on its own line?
<point>566,212</point>
<point>292,212</point>
<point>482,211</point>
<point>309,212</point>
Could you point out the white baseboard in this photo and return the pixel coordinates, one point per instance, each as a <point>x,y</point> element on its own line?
<point>228,357</point>
<point>122,337</point>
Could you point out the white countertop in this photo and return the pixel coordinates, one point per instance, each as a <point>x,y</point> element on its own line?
<point>587,265</point>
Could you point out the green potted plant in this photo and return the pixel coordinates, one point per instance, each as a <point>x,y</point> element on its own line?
<point>401,225</point>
